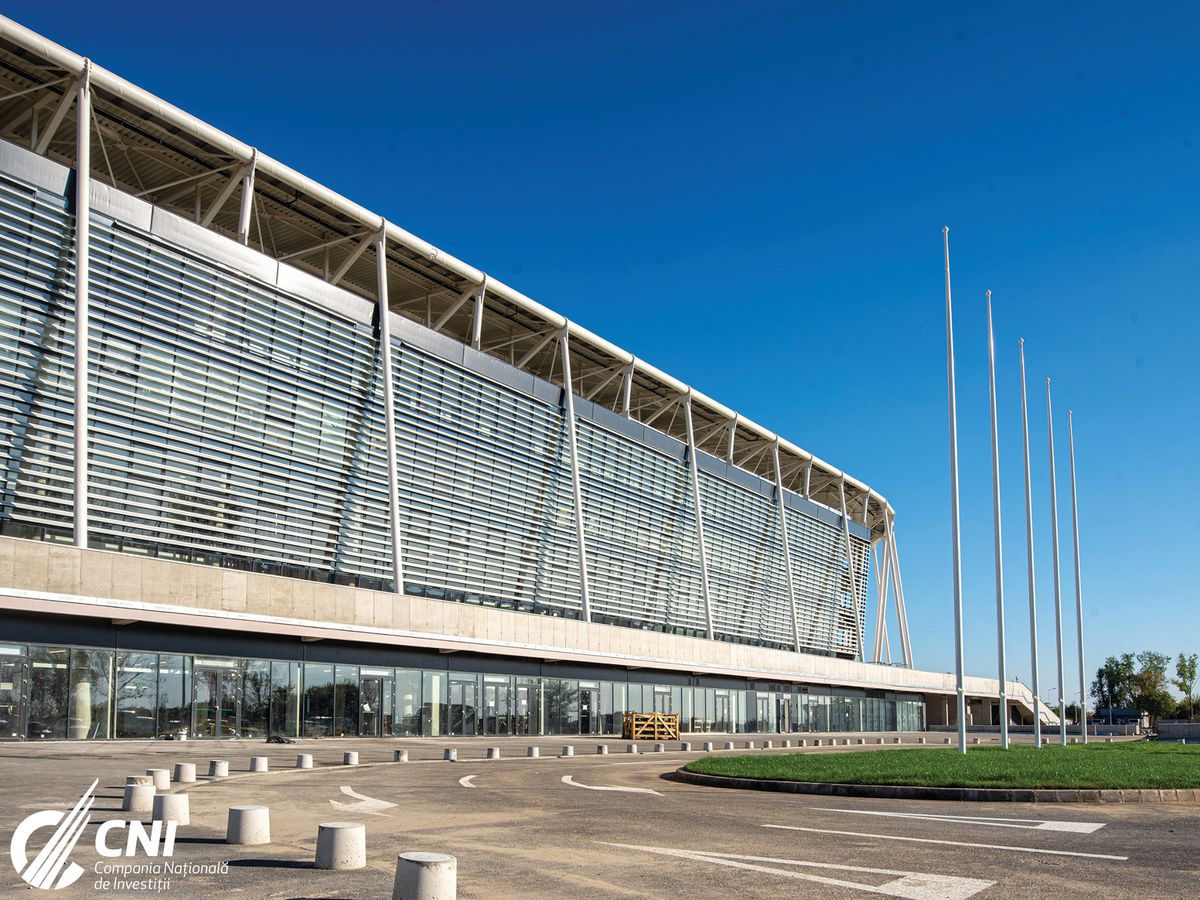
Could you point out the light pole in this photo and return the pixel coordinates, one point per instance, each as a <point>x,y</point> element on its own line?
<point>1033,637</point>
<point>956,561</point>
<point>1078,583</point>
<point>1062,694</point>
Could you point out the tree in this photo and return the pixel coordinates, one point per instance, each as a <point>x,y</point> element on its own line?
<point>1185,680</point>
<point>1114,682</point>
<point>1150,694</point>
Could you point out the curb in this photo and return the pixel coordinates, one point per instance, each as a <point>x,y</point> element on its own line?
<point>909,792</point>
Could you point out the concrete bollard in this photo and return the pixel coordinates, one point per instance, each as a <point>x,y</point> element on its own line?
<point>1045,741</point>
<point>974,740</point>
<point>400,756</point>
<point>685,746</point>
<point>920,740</point>
<point>218,768</point>
<point>602,749</point>
<point>172,808</point>
<point>568,750</point>
<point>708,746</point>
<point>895,740</point>
<point>341,845</point>
<point>949,741</point>
<point>1074,740</point>
<point>1108,740</point>
<point>350,758</point>
<point>817,742</point>
<point>767,745</point>
<point>749,745</point>
<point>138,797</point>
<point>660,747</point>
<point>259,764</point>
<point>161,779</point>
<point>533,752</point>
<point>728,745</point>
<point>878,740</point>
<point>631,748</point>
<point>859,741</point>
<point>185,773</point>
<point>450,754</point>
<point>493,752</point>
<point>138,779</point>
<point>787,744</point>
<point>802,743</point>
<point>248,825</point>
<point>425,876</point>
<point>304,761</point>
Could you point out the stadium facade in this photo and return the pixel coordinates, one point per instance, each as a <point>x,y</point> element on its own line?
<point>274,465</point>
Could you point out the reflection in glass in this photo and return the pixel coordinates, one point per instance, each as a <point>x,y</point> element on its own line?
<point>91,694</point>
<point>135,694</point>
<point>285,698</point>
<point>174,694</point>
<point>256,698</point>
<point>47,692</point>
<point>408,702</point>
<point>345,701</point>
<point>318,700</point>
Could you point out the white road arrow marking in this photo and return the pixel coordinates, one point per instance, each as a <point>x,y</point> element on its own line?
<point>915,840</point>
<point>908,885</point>
<point>1034,824</point>
<point>567,779</point>
<point>465,781</point>
<point>366,805</point>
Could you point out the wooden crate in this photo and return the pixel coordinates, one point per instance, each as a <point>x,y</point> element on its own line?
<point>650,726</point>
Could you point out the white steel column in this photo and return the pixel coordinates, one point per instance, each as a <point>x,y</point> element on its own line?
<point>787,544</point>
<point>247,199</point>
<point>999,539</point>
<point>627,388</point>
<point>389,411</point>
<point>1033,635</point>
<point>898,587</point>
<point>83,209</point>
<point>862,653</point>
<point>1078,585</point>
<point>701,544</point>
<point>564,346</point>
<point>956,546</point>
<point>1062,697</point>
<point>477,317</point>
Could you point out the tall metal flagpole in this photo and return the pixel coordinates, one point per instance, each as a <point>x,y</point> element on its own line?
<point>956,561</point>
<point>1078,584</point>
<point>1033,638</point>
<point>999,540</point>
<point>1062,693</point>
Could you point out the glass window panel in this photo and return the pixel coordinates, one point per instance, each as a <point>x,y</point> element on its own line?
<point>91,694</point>
<point>174,695</point>
<point>48,689</point>
<point>318,700</point>
<point>136,694</point>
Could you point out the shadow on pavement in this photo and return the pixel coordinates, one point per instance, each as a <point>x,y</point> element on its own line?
<point>272,863</point>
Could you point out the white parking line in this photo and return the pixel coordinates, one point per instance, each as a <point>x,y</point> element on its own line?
<point>909,885</point>
<point>368,805</point>
<point>465,781</point>
<point>896,837</point>
<point>567,779</point>
<point>1033,824</point>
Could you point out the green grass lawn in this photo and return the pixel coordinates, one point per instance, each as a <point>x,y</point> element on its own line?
<point>1092,766</point>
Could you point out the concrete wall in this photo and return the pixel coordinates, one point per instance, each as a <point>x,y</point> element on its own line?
<point>59,579</point>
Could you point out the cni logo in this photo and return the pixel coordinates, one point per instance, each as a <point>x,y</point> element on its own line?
<point>46,869</point>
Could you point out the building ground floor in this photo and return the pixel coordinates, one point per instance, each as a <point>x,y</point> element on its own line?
<point>89,679</point>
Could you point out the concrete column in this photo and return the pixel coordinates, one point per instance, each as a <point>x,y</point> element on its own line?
<point>172,808</point>
<point>341,845</point>
<point>138,797</point>
<point>425,876</point>
<point>304,761</point>
<point>218,768</point>
<point>161,778</point>
<point>185,773</point>
<point>248,825</point>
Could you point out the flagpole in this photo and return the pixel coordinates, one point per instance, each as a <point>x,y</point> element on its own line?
<point>999,540</point>
<point>956,561</point>
<point>1062,694</point>
<point>1078,584</point>
<point>1033,638</point>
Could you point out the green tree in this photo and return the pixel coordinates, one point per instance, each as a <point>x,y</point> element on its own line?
<point>1150,694</point>
<point>1114,682</point>
<point>1185,680</point>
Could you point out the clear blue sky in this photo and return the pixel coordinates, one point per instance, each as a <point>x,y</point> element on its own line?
<point>750,196</point>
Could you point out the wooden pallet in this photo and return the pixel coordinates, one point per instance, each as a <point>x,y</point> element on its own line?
<point>650,726</point>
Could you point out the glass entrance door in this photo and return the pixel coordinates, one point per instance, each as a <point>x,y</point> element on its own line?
<point>721,718</point>
<point>523,710</point>
<point>763,717</point>
<point>783,717</point>
<point>589,711</point>
<point>216,702</point>
<point>463,707</point>
<point>497,700</point>
<point>370,707</point>
<point>12,693</point>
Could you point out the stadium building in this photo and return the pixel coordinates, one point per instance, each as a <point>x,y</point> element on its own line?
<point>273,465</point>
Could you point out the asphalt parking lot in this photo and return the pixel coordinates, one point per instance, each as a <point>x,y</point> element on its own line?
<point>596,826</point>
